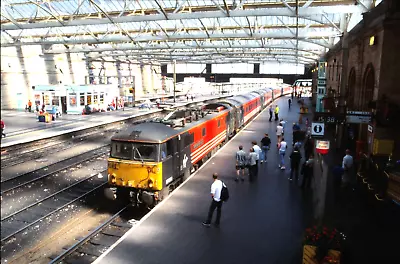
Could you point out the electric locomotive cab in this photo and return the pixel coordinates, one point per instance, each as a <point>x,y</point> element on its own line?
<point>144,161</point>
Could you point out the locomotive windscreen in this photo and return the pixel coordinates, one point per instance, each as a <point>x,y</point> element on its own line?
<point>134,151</point>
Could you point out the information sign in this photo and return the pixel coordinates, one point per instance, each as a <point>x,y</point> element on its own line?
<point>317,129</point>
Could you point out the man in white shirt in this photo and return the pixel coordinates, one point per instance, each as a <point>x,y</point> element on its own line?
<point>282,146</point>
<point>253,169</point>
<point>279,132</point>
<point>216,202</point>
<point>283,123</point>
<point>258,151</point>
<point>347,165</point>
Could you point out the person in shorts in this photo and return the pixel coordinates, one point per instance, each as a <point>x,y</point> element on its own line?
<point>279,132</point>
<point>240,163</point>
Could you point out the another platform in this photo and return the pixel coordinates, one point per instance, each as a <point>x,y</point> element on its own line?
<point>263,222</point>
<point>22,127</point>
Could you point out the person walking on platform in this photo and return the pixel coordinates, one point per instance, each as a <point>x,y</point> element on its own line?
<point>347,166</point>
<point>307,172</point>
<point>252,164</point>
<point>279,132</point>
<point>270,113</point>
<point>295,158</point>
<point>265,146</point>
<point>290,103</point>
<point>2,126</point>
<point>308,147</point>
<point>216,202</point>
<point>240,163</point>
<point>29,106</point>
<point>282,146</point>
<point>258,151</point>
<point>283,123</point>
<point>276,113</point>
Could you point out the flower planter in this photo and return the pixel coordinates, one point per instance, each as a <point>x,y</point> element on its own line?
<point>309,255</point>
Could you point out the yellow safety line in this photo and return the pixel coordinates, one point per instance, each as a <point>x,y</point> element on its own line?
<point>377,198</point>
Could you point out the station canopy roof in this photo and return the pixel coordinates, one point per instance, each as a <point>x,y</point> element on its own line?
<point>191,31</point>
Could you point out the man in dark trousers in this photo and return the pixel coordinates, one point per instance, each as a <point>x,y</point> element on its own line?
<point>295,158</point>
<point>308,147</point>
<point>307,171</point>
<point>252,164</point>
<point>271,112</point>
<point>216,202</point>
<point>276,113</point>
<point>265,146</point>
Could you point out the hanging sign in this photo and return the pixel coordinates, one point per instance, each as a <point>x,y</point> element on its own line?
<point>322,146</point>
<point>317,129</point>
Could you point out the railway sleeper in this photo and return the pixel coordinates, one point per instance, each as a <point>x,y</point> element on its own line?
<point>104,240</point>
<point>115,232</point>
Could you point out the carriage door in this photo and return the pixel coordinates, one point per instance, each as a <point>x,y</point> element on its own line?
<point>177,159</point>
<point>167,158</point>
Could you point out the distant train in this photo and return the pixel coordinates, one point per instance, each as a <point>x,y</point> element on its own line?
<point>149,160</point>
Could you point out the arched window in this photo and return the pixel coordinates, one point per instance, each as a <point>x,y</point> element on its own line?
<point>351,86</point>
<point>368,86</point>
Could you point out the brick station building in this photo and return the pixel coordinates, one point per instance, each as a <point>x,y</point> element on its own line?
<point>363,74</point>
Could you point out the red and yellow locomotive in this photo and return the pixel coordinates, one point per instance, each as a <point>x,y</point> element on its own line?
<point>149,160</point>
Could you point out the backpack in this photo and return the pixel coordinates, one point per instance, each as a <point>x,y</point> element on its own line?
<point>224,193</point>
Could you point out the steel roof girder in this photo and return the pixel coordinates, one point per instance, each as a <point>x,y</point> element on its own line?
<point>129,46</point>
<point>303,12</point>
<point>203,36</point>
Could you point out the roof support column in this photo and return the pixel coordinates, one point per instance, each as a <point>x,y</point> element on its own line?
<point>174,80</point>
<point>89,68</point>
<point>342,91</point>
<point>143,72</point>
<point>119,77</point>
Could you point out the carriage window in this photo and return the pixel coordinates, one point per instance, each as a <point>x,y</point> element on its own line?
<point>122,150</point>
<point>204,131</point>
<point>219,123</point>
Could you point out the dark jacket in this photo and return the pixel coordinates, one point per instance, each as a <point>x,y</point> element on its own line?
<point>295,157</point>
<point>265,141</point>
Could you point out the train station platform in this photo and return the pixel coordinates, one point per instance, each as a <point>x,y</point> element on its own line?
<point>263,221</point>
<point>23,127</point>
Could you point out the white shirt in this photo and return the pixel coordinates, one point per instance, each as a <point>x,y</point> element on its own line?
<point>216,189</point>
<point>279,130</point>
<point>283,123</point>
<point>257,150</point>
<point>347,162</point>
<point>283,146</point>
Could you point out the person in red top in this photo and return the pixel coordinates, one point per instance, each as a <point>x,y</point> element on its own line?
<point>2,129</point>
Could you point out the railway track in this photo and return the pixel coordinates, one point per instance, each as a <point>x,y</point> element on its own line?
<point>17,222</point>
<point>15,182</point>
<point>97,241</point>
<point>47,148</point>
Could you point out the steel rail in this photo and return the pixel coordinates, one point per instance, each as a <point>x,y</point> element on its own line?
<point>50,213</point>
<point>48,197</point>
<point>53,172</point>
<point>74,247</point>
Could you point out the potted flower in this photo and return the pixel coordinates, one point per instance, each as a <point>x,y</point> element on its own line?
<point>322,245</point>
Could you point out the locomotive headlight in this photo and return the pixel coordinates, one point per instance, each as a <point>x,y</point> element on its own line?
<point>112,178</point>
<point>150,184</point>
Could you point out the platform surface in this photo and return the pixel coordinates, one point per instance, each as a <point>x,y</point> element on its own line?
<point>24,127</point>
<point>263,221</point>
